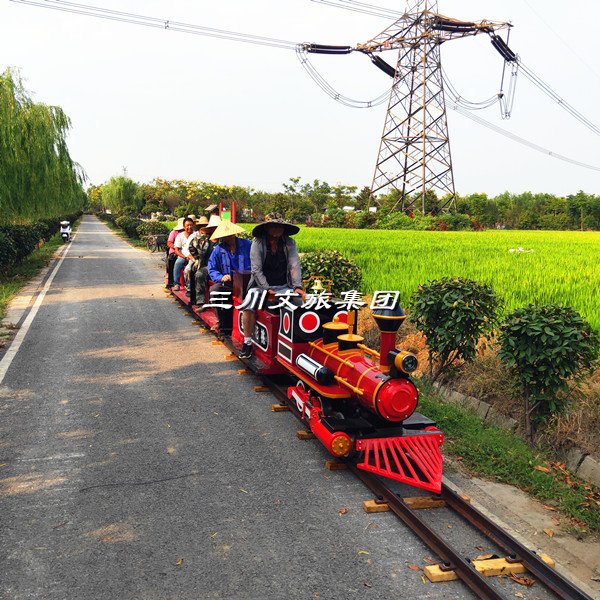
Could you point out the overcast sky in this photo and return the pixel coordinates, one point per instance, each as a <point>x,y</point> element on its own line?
<point>171,105</point>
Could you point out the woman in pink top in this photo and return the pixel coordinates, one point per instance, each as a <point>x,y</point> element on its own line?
<point>171,256</point>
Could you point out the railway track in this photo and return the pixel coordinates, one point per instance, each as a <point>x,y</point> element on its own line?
<point>452,559</point>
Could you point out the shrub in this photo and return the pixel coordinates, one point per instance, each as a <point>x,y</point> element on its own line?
<point>8,252</point>
<point>396,220</point>
<point>152,228</point>
<point>333,266</point>
<point>149,208</point>
<point>546,345</point>
<point>455,222</point>
<point>23,237</point>
<point>108,217</point>
<point>129,225</point>
<point>453,314</point>
<point>51,226</point>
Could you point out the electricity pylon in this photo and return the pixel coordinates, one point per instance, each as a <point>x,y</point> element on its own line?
<point>414,154</point>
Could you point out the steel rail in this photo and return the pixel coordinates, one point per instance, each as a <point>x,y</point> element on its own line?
<point>548,576</point>
<point>465,570</point>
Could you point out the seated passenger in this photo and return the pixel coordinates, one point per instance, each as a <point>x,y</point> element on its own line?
<point>275,269</point>
<point>171,256</point>
<point>230,254</point>
<point>200,248</point>
<point>181,248</point>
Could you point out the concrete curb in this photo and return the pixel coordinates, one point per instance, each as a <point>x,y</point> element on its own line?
<point>578,462</point>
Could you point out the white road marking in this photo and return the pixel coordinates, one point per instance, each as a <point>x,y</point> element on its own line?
<point>16,343</point>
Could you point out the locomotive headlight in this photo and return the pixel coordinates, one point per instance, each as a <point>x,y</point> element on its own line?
<point>341,445</point>
<point>406,362</point>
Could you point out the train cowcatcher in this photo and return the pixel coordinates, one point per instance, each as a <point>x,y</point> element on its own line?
<point>359,403</point>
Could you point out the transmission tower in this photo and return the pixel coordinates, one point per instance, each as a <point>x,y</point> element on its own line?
<point>414,153</point>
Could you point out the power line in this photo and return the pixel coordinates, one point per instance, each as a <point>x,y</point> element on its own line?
<point>521,140</point>
<point>554,96</point>
<point>576,54</point>
<point>158,23</point>
<point>330,91</point>
<point>362,7</point>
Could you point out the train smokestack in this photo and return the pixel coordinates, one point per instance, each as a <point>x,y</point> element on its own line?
<point>388,321</point>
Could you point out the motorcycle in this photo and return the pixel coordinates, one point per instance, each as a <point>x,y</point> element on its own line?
<point>65,231</point>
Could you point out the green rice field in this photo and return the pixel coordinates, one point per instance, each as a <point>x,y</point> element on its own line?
<point>561,267</point>
<point>554,267</point>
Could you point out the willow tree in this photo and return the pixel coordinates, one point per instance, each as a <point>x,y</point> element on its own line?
<point>122,195</point>
<point>38,178</point>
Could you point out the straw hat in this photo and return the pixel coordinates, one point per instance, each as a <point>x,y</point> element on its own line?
<point>213,222</point>
<point>202,222</point>
<point>192,217</point>
<point>275,219</point>
<point>179,225</point>
<point>224,229</point>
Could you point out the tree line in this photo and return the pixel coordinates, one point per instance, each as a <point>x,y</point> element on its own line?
<point>38,178</point>
<point>322,204</point>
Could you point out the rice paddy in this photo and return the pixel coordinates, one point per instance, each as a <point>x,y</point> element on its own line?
<point>523,267</point>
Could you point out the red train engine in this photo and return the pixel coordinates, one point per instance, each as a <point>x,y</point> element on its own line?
<point>361,404</point>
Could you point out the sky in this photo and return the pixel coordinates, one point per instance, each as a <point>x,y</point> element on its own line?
<point>157,103</point>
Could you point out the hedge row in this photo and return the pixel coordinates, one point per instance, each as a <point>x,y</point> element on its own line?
<point>135,228</point>
<point>19,241</point>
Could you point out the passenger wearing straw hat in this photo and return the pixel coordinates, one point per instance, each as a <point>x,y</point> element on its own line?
<point>171,256</point>
<point>230,254</point>
<point>200,249</point>
<point>275,270</point>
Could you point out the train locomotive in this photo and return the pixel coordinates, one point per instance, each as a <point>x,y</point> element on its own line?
<point>359,403</point>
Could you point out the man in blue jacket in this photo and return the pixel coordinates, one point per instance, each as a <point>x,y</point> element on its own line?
<point>230,254</point>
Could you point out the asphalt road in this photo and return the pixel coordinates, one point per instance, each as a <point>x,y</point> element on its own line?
<point>136,463</point>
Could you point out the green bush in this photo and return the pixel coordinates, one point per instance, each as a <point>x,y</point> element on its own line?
<point>333,266</point>
<point>24,238</point>
<point>152,228</point>
<point>546,345</point>
<point>396,220</point>
<point>129,225</point>
<point>8,252</point>
<point>455,222</point>
<point>453,314</point>
<point>107,217</point>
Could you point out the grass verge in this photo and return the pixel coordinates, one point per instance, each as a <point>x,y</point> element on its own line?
<point>487,450</point>
<point>16,278</point>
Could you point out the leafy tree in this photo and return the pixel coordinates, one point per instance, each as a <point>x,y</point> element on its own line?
<point>122,195</point>
<point>453,314</point>
<point>362,201</point>
<point>546,345</point>
<point>38,178</point>
<point>94,194</point>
